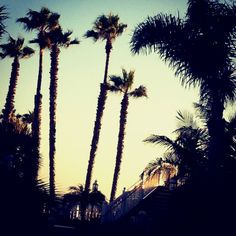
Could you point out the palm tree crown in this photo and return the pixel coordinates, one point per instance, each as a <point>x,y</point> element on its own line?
<point>123,84</point>
<point>15,48</point>
<point>106,28</point>
<point>43,20</point>
<point>61,39</point>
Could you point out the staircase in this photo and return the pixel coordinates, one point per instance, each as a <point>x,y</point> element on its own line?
<point>139,192</point>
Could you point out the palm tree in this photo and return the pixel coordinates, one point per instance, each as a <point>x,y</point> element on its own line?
<point>201,49</point>
<point>187,150</point>
<point>58,39</point>
<point>15,49</point>
<point>105,28</point>
<point>18,176</point>
<point>42,22</point>
<point>123,84</point>
<point>153,166</point>
<point>166,165</point>
<point>73,197</point>
<point>3,16</point>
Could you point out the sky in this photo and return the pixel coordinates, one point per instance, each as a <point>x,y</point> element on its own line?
<point>81,69</point>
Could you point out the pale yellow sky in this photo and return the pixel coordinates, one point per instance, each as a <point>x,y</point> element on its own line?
<point>80,72</point>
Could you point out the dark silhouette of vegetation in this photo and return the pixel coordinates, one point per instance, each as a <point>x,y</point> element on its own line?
<point>3,16</point>
<point>43,22</point>
<point>198,197</point>
<point>23,196</point>
<point>201,49</point>
<point>105,28</point>
<point>76,197</point>
<point>14,49</point>
<point>123,84</point>
<point>187,150</point>
<point>57,39</point>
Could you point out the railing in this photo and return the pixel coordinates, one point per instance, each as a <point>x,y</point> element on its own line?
<point>130,198</point>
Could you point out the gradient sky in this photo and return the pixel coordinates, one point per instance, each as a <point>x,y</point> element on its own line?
<point>80,72</point>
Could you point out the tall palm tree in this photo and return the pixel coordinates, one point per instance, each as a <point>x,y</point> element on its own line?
<point>3,16</point>
<point>57,39</point>
<point>105,28</point>
<point>42,22</point>
<point>16,50</point>
<point>123,84</point>
<point>201,49</point>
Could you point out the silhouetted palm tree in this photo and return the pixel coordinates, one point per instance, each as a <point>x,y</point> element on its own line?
<point>123,84</point>
<point>16,50</point>
<point>201,49</point>
<point>105,28</point>
<point>3,16</point>
<point>153,166</point>
<point>73,197</point>
<point>21,192</point>
<point>187,149</point>
<point>231,136</point>
<point>42,22</point>
<point>57,39</point>
<point>165,166</point>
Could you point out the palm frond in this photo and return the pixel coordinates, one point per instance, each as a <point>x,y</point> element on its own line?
<point>121,28</point>
<point>2,55</point>
<point>153,166</point>
<point>27,52</point>
<point>113,88</point>
<point>3,16</point>
<point>116,80</point>
<point>162,140</point>
<point>92,34</point>
<point>106,27</point>
<point>125,74</point>
<point>185,119</point>
<point>27,23</point>
<point>53,21</point>
<point>141,91</point>
<point>60,38</point>
<point>74,41</point>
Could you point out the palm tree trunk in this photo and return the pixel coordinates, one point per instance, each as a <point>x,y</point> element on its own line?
<point>108,48</point>
<point>216,134</point>
<point>96,133</point>
<point>120,145</point>
<point>52,113</point>
<point>38,107</point>
<point>98,122</point>
<point>9,105</point>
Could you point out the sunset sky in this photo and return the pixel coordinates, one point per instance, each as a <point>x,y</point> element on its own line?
<point>81,69</point>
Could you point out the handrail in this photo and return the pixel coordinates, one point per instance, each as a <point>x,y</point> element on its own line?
<point>129,199</point>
